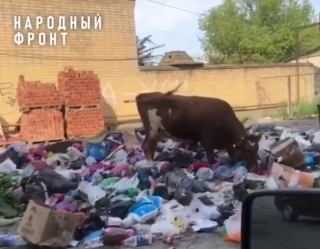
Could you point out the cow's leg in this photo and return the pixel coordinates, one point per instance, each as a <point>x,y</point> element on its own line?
<point>232,154</point>
<point>208,147</point>
<point>210,154</point>
<point>149,147</point>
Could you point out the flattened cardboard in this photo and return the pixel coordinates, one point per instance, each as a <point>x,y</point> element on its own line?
<point>44,226</point>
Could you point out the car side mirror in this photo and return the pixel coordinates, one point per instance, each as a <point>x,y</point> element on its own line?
<point>288,218</point>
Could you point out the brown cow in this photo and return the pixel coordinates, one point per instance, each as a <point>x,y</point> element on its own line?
<point>210,121</point>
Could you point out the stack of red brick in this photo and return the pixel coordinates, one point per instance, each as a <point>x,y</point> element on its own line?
<point>82,94</point>
<point>37,94</point>
<point>42,125</point>
<point>84,123</point>
<point>80,88</point>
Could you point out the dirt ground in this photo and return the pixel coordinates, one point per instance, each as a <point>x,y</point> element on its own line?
<point>195,241</point>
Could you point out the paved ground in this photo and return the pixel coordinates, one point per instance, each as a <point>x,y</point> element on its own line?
<point>269,217</point>
<point>271,231</point>
<point>304,124</point>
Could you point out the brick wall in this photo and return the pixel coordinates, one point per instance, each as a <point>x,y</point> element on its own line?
<point>111,53</point>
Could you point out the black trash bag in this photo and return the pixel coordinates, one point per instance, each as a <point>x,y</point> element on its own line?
<point>226,211</point>
<point>56,183</point>
<point>162,191</point>
<point>200,155</point>
<point>91,224</point>
<point>102,204</point>
<point>120,209</point>
<point>183,196</point>
<point>113,139</point>
<point>34,189</point>
<point>61,147</point>
<point>206,201</point>
<point>14,156</point>
<point>187,187</point>
<point>239,191</point>
<point>77,164</point>
<point>183,159</point>
<point>173,179</point>
<point>194,185</point>
<point>164,156</point>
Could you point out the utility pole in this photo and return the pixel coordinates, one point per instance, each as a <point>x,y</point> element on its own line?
<point>298,29</point>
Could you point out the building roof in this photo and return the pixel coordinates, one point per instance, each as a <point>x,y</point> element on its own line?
<point>177,58</point>
<point>306,53</point>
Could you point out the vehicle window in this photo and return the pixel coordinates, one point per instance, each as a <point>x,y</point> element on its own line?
<point>283,222</point>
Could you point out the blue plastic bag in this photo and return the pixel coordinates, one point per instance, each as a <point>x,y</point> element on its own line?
<point>146,208</point>
<point>97,151</point>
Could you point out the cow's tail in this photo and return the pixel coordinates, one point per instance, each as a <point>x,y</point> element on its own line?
<point>174,90</point>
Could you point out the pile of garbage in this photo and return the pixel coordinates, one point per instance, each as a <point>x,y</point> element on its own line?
<point>72,192</point>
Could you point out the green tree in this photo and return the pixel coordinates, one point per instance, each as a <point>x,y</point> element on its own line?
<point>257,31</point>
<point>145,50</point>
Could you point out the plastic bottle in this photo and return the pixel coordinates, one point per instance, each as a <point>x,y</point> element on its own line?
<point>12,240</point>
<point>113,222</point>
<point>113,236</point>
<point>142,228</point>
<point>139,240</point>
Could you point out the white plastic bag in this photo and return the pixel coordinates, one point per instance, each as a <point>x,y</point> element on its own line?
<point>93,193</point>
<point>271,183</point>
<point>233,227</point>
<point>7,166</point>
<point>165,228</point>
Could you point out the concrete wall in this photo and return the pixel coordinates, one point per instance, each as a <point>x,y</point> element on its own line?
<point>111,53</point>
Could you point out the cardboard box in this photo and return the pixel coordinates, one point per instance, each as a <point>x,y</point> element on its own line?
<point>289,153</point>
<point>44,226</point>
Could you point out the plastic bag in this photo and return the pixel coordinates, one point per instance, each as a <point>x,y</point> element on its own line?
<point>233,228</point>
<point>7,166</point>
<point>97,151</point>
<point>13,155</point>
<point>165,228</point>
<point>55,182</point>
<point>93,193</point>
<point>58,160</point>
<point>146,208</point>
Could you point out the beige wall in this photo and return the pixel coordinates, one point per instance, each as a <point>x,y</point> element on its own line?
<point>313,58</point>
<point>111,53</point>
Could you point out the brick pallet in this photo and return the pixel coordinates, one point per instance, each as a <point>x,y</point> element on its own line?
<point>82,97</point>
<point>84,123</point>
<point>7,141</point>
<point>79,88</point>
<point>42,126</point>
<point>36,94</point>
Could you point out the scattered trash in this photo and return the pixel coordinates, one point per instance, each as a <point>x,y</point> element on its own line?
<point>107,194</point>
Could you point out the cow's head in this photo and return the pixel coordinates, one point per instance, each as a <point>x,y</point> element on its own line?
<point>248,148</point>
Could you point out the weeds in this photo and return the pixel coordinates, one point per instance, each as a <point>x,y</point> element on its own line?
<point>283,111</point>
<point>303,109</point>
<point>306,108</point>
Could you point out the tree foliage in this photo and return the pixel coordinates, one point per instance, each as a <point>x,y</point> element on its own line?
<point>145,50</point>
<point>257,31</point>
